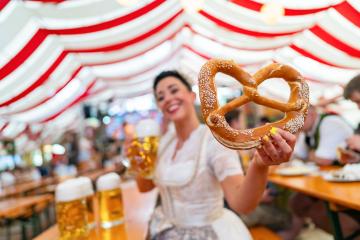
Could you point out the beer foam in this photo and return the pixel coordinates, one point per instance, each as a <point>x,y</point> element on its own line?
<point>68,191</point>
<point>108,182</point>
<point>85,185</point>
<point>147,127</point>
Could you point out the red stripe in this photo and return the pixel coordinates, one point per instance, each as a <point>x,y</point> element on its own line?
<point>255,6</point>
<point>43,78</point>
<point>138,54</point>
<point>48,1</point>
<point>196,52</point>
<point>242,30</point>
<point>53,95</point>
<point>4,126</point>
<point>3,3</point>
<point>131,41</point>
<point>230,45</point>
<point>349,12</point>
<point>74,102</point>
<point>23,54</point>
<point>297,12</point>
<point>112,23</point>
<point>312,56</point>
<point>328,38</point>
<point>22,132</point>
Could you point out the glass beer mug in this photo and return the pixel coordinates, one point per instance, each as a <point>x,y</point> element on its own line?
<point>110,200</point>
<point>142,152</point>
<point>88,192</point>
<point>71,211</point>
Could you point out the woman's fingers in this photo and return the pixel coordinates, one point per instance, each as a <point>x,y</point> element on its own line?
<point>283,146</point>
<point>287,136</point>
<point>270,149</point>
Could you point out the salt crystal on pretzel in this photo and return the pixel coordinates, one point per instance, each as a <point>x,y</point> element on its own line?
<point>295,109</point>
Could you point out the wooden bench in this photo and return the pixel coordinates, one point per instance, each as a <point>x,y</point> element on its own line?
<point>263,233</point>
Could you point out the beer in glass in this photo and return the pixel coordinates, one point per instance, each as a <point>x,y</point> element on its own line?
<point>142,152</point>
<point>110,200</point>
<point>71,211</point>
<point>88,191</point>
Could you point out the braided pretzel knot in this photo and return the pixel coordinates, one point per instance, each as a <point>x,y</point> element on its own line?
<point>295,109</point>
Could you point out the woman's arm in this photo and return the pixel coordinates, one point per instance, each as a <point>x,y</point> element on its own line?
<point>243,193</point>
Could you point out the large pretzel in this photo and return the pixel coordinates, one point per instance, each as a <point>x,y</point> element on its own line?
<point>295,109</point>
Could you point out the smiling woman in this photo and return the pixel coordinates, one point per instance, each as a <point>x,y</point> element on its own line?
<point>194,172</point>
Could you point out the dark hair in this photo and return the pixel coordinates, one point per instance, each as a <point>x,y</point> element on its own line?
<point>232,116</point>
<point>352,86</point>
<point>172,73</point>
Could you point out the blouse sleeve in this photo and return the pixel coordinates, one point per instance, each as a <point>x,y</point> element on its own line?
<point>223,161</point>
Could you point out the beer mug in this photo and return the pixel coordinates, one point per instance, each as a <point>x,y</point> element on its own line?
<point>88,192</point>
<point>142,152</point>
<point>110,200</point>
<point>71,211</point>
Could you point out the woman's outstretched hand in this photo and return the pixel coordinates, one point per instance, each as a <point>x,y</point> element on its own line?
<point>275,149</point>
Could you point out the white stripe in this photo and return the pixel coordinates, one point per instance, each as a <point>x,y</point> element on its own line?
<point>323,50</point>
<point>242,41</point>
<point>69,15</point>
<point>123,32</point>
<point>56,104</point>
<point>149,59</point>
<point>300,4</point>
<point>13,129</point>
<point>10,8</point>
<point>218,51</point>
<point>56,80</point>
<point>338,26</point>
<point>30,70</point>
<point>15,32</point>
<point>289,21</point>
<point>306,66</point>
<point>133,49</point>
<point>222,11</point>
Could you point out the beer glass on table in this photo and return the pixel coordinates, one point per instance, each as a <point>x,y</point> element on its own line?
<point>88,191</point>
<point>110,200</point>
<point>71,211</point>
<point>142,152</point>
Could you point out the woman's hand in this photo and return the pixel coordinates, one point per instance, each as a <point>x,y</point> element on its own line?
<point>275,149</point>
<point>354,142</point>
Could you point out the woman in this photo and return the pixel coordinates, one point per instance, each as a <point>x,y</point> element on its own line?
<point>194,172</point>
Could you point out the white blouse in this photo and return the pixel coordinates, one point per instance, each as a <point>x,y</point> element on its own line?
<point>189,183</point>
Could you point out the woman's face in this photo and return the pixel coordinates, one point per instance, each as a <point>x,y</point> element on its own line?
<point>174,99</point>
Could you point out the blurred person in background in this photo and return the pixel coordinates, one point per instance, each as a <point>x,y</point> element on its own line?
<point>352,92</point>
<point>7,178</point>
<point>320,137</point>
<point>71,144</point>
<point>323,135</point>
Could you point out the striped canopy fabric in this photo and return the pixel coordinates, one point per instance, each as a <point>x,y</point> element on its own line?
<point>55,54</point>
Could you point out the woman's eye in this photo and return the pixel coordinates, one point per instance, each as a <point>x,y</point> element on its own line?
<point>173,91</point>
<point>160,98</point>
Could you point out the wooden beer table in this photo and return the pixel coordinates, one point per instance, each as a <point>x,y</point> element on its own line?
<point>23,188</point>
<point>138,208</point>
<point>335,194</point>
<point>11,205</point>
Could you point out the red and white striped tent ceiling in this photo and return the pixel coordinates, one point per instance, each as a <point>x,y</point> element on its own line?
<point>55,54</point>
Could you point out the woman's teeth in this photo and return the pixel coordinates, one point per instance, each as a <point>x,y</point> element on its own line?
<point>173,108</point>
